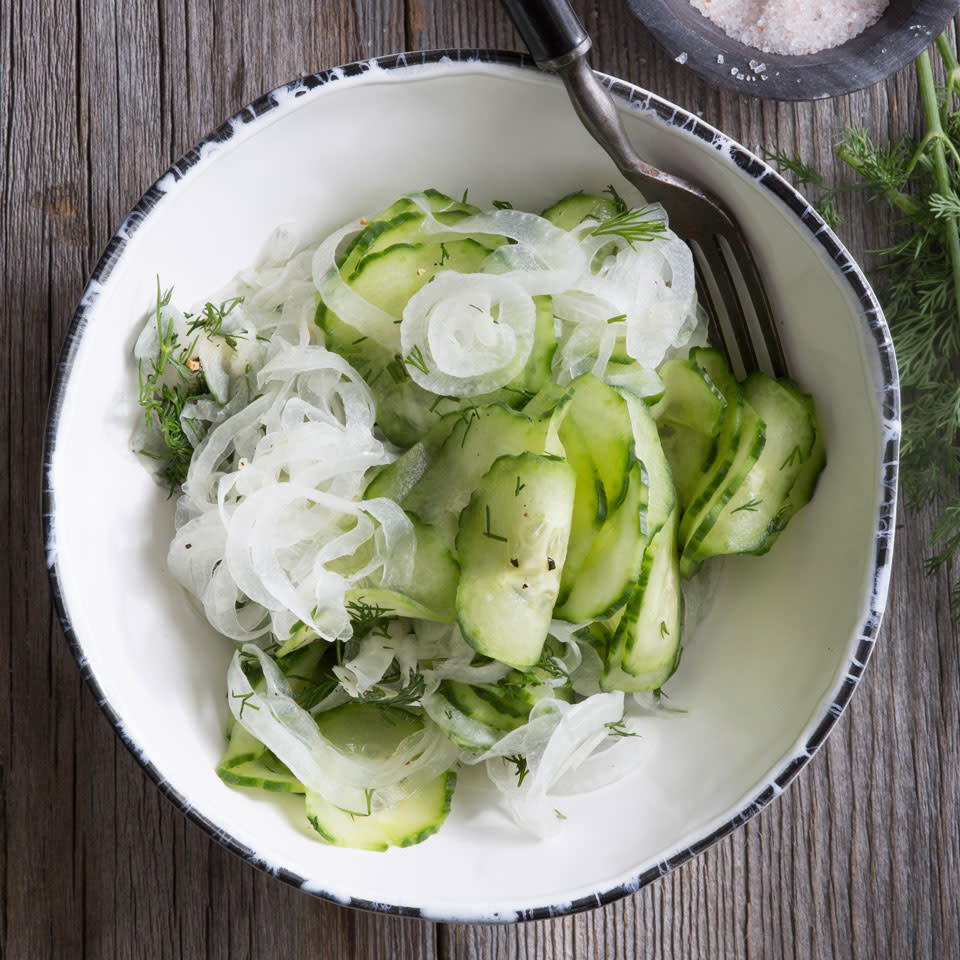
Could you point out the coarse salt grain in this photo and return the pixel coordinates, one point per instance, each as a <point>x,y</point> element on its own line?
<point>792,26</point>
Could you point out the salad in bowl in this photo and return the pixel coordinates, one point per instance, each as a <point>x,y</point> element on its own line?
<point>447,480</point>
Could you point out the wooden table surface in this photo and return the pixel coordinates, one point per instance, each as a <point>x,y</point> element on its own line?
<point>859,858</point>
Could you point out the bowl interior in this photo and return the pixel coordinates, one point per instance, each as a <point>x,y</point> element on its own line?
<point>765,671</point>
<point>905,29</point>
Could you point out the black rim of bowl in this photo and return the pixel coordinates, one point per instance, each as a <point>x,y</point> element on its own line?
<point>888,398</point>
<point>902,33</point>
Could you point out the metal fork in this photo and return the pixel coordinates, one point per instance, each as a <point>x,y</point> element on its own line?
<point>729,285</point>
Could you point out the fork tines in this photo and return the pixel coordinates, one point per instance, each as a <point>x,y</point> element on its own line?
<point>740,320</point>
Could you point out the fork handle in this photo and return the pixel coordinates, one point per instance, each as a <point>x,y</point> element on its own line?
<point>550,29</point>
<point>559,44</point>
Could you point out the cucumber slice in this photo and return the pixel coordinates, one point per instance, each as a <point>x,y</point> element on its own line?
<point>738,444</point>
<point>573,209</point>
<point>806,482</point>
<point>459,724</point>
<point>614,562</point>
<point>477,438</point>
<point>645,647</point>
<point>689,417</point>
<point>376,732</point>
<point>397,479</point>
<point>389,278</point>
<point>476,716</point>
<point>690,398</point>
<point>743,524</point>
<point>751,443</point>
<point>403,222</point>
<point>512,543</point>
<point>595,430</point>
<point>404,824</point>
<point>241,748</point>
<point>262,771</point>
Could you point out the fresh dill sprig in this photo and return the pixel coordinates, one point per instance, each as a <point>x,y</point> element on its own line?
<point>167,381</point>
<point>388,698</point>
<point>634,226</point>
<point>369,619</point>
<point>919,283</point>
<point>210,320</point>
<point>170,379</point>
<point>825,202</point>
<point>619,204</point>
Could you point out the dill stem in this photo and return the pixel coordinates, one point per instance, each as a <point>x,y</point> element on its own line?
<point>902,201</point>
<point>931,110</point>
<point>949,57</point>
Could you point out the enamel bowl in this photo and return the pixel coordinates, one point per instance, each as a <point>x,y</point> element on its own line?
<point>785,640</point>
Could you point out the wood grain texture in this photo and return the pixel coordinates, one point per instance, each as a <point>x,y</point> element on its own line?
<point>860,857</point>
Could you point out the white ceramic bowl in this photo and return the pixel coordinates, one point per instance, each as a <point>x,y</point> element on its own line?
<point>764,678</point>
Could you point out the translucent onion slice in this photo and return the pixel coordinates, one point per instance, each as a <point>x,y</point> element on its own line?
<point>543,257</point>
<point>467,334</point>
<point>449,657</point>
<point>284,540</point>
<point>343,300</point>
<point>556,740</point>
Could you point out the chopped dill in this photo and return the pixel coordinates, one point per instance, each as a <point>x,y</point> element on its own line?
<point>520,762</point>
<point>415,359</point>
<point>488,533</point>
<point>795,457</point>
<point>244,699</point>
<point>618,728</point>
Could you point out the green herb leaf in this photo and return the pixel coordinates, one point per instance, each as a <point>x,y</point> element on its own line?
<point>520,762</point>
<point>488,533</point>
<point>634,226</point>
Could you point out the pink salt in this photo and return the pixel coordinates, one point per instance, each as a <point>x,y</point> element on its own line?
<point>792,26</point>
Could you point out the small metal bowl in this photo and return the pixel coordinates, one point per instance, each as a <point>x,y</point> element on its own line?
<point>906,28</point>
